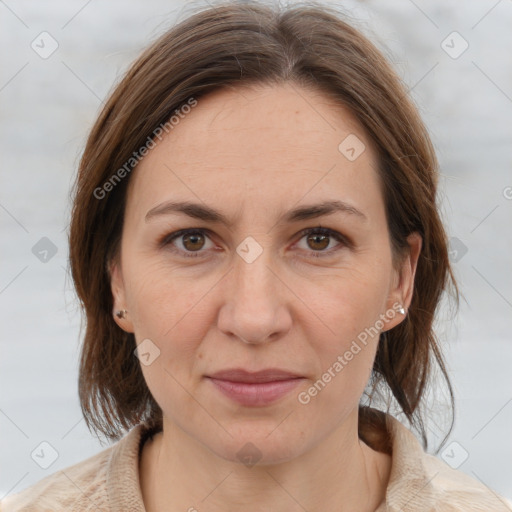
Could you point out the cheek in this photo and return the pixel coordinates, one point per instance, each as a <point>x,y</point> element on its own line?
<point>163,298</point>
<point>349,307</point>
<point>172,308</point>
<point>350,302</point>
<point>169,309</point>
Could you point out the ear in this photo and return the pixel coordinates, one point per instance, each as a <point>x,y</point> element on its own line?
<point>402,289</point>
<point>119,296</point>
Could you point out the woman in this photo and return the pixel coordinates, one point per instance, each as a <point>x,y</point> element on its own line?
<point>256,244</point>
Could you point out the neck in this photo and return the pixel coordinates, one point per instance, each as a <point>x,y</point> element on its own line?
<point>341,473</point>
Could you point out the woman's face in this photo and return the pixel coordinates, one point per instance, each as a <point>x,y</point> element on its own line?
<point>248,287</point>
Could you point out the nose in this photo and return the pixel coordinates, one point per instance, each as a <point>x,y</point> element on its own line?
<point>255,308</point>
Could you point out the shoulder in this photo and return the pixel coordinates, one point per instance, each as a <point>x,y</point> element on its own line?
<point>83,486</point>
<point>66,489</point>
<point>420,481</point>
<point>458,491</point>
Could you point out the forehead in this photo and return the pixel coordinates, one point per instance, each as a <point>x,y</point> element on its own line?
<point>266,119</point>
<point>267,140</point>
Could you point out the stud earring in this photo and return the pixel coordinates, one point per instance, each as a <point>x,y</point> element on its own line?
<point>401,310</point>
<point>121,313</point>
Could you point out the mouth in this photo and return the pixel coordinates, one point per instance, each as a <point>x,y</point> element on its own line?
<point>260,376</point>
<point>255,388</point>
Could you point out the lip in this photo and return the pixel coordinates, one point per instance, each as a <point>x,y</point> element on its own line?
<point>255,388</point>
<point>242,375</point>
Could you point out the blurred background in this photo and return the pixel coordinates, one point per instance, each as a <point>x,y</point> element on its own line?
<point>59,62</point>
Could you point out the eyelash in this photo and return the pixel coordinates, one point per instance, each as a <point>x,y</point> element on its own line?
<point>166,241</point>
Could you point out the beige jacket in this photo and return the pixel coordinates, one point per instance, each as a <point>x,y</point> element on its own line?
<point>109,481</point>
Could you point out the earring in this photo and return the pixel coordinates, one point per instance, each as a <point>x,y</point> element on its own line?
<point>121,313</point>
<point>401,310</point>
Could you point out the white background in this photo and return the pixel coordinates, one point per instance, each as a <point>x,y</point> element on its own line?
<point>48,106</point>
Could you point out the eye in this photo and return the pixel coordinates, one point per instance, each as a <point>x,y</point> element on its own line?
<point>192,241</point>
<point>319,238</point>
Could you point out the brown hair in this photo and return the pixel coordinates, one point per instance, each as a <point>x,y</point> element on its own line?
<point>229,45</point>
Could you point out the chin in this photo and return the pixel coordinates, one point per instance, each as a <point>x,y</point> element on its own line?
<point>259,446</point>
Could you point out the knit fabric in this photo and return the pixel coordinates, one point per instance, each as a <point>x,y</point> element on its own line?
<point>109,482</point>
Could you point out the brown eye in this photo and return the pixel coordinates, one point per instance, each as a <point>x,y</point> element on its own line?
<point>193,242</point>
<point>318,242</point>
<point>188,242</point>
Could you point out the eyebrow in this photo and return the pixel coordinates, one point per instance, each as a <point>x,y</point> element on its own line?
<point>208,214</point>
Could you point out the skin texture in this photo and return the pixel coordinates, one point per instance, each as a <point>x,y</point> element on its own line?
<point>255,153</point>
